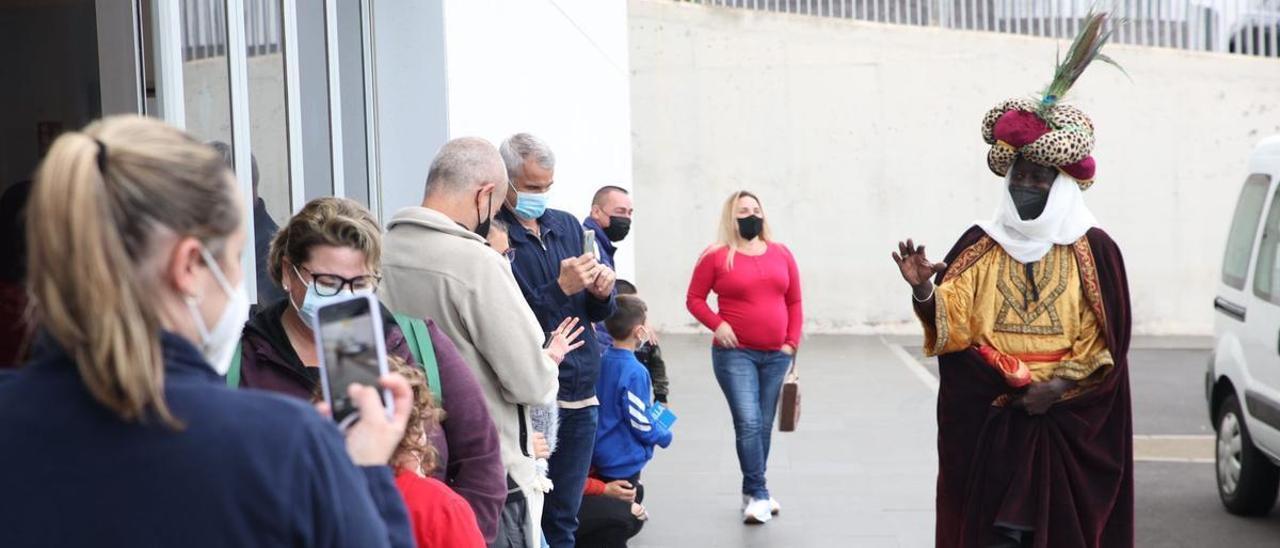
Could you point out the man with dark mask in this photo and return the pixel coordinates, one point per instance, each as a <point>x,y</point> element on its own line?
<point>1029,186</point>
<point>610,219</point>
<point>1029,318</point>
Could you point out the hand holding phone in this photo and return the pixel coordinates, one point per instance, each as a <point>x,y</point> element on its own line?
<point>352,351</point>
<point>375,437</point>
<point>589,243</point>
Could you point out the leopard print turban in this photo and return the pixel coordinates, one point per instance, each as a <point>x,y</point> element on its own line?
<point>1062,138</point>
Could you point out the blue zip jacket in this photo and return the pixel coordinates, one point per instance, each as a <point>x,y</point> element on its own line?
<point>537,268</point>
<point>625,436</point>
<point>607,252</point>
<point>248,468</point>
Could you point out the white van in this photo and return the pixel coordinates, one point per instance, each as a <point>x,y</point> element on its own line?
<point>1243,382</point>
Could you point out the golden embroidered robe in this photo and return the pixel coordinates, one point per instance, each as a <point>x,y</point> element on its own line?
<point>988,300</point>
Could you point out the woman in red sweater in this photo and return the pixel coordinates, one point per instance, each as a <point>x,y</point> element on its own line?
<point>440,517</point>
<point>757,331</point>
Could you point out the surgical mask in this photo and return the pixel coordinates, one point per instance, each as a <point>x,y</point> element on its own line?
<point>313,301</point>
<point>750,227</point>
<point>219,345</point>
<point>618,228</point>
<point>1030,202</point>
<point>530,206</point>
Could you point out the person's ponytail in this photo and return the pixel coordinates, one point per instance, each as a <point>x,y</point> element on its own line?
<point>99,199</point>
<point>84,281</point>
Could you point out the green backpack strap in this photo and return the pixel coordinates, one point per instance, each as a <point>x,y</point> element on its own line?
<point>233,374</point>
<point>418,339</point>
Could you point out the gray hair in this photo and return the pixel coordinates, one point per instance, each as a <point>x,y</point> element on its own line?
<point>464,164</point>
<point>519,148</point>
<point>228,156</point>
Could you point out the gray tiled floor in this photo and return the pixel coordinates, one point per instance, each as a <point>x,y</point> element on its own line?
<point>859,472</point>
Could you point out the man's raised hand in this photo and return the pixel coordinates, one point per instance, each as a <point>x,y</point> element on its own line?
<point>915,266</point>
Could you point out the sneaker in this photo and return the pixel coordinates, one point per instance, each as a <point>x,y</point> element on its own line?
<point>757,512</point>
<point>774,507</point>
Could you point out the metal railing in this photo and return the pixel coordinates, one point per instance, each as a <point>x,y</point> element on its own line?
<point>204,32</point>
<point>1249,27</point>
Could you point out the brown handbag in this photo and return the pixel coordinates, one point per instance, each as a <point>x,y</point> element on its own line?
<point>789,408</point>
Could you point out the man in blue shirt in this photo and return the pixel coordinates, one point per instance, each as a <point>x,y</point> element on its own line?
<point>559,281</point>
<point>610,220</point>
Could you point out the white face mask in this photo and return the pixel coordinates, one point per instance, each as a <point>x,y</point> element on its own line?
<point>219,345</point>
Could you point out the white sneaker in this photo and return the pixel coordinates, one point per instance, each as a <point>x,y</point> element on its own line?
<point>774,507</point>
<point>757,512</point>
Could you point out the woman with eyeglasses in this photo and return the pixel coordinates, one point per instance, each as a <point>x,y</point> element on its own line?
<point>327,252</point>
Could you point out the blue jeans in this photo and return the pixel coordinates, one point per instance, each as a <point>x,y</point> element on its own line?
<point>751,381</point>
<point>569,465</point>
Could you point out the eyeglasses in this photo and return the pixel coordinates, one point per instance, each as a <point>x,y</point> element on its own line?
<point>328,285</point>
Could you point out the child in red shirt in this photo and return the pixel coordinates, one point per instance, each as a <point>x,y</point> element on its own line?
<point>440,517</point>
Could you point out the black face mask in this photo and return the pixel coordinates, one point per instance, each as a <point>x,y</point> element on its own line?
<point>1029,201</point>
<point>482,227</point>
<point>750,227</point>
<point>618,228</point>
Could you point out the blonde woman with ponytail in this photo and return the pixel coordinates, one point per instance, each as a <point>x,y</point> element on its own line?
<point>757,331</point>
<point>134,236</point>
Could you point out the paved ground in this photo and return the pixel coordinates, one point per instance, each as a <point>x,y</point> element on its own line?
<point>860,471</point>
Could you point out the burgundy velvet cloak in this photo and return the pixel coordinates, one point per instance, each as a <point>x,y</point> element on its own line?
<point>1067,474</point>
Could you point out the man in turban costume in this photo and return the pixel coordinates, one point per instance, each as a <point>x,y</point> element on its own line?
<point>1029,318</point>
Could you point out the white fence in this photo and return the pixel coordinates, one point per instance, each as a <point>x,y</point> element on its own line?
<point>204,28</point>
<point>1249,27</point>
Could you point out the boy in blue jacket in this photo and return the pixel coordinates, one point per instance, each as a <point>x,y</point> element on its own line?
<point>626,435</point>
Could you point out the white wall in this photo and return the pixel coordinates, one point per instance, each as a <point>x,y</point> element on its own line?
<point>558,69</point>
<point>490,68</point>
<point>409,87</point>
<point>860,134</point>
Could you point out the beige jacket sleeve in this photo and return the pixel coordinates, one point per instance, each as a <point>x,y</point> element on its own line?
<point>507,336</point>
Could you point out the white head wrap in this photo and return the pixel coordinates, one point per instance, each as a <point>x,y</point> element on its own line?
<point>1065,219</point>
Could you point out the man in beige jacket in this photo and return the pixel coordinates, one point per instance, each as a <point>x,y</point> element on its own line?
<point>436,264</point>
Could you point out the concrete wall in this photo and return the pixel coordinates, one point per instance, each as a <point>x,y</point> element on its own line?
<point>858,134</point>
<point>412,109</point>
<point>558,70</point>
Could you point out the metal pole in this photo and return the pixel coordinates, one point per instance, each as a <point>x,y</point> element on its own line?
<point>167,24</point>
<point>1275,40</point>
<point>336,148</point>
<point>293,103</point>
<point>238,81</point>
<point>374,155</point>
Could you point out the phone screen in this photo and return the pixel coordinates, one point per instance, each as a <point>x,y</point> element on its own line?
<point>589,243</point>
<point>352,350</point>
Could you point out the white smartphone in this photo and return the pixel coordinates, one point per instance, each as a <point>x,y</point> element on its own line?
<point>351,347</point>
<point>589,243</point>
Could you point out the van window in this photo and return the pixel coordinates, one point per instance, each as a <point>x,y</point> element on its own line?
<point>1235,267</point>
<point>1266,279</point>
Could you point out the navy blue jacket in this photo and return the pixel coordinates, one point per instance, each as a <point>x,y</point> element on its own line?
<point>248,468</point>
<point>607,251</point>
<point>537,268</point>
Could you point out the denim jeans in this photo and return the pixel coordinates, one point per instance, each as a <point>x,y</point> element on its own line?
<point>568,471</point>
<point>751,381</point>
